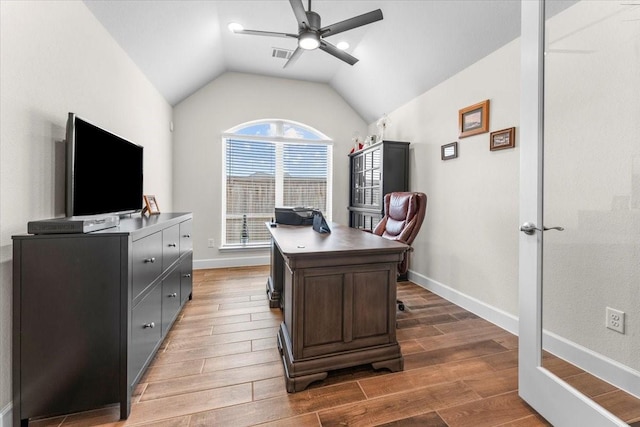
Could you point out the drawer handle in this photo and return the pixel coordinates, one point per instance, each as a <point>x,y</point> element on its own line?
<point>149,325</point>
<point>150,260</point>
<point>172,245</point>
<point>187,275</point>
<point>188,236</point>
<point>173,295</point>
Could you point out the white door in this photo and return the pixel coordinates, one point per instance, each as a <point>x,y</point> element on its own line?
<point>579,170</point>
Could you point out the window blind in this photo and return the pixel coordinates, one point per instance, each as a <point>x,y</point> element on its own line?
<point>261,175</point>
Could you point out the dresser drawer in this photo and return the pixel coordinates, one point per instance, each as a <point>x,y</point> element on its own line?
<point>186,278</point>
<point>146,262</point>
<point>186,242</point>
<point>146,331</point>
<point>170,245</point>
<point>170,299</point>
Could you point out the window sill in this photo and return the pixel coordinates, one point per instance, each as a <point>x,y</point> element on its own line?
<point>244,247</point>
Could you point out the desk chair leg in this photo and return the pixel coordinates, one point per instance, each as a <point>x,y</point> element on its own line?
<point>400,305</point>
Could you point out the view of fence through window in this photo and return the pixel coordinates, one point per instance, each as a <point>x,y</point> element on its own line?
<point>262,173</point>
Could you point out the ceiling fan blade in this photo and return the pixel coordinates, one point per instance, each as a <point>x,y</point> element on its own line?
<point>301,15</point>
<point>340,54</point>
<point>294,57</point>
<point>265,33</point>
<point>348,24</point>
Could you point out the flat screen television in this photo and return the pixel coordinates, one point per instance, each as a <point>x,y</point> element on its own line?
<point>104,171</point>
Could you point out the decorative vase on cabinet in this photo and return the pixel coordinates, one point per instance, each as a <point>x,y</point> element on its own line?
<point>375,171</point>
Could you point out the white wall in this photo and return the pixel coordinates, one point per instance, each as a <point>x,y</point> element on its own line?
<point>592,107</point>
<point>230,100</point>
<point>468,246</point>
<point>469,240</point>
<point>56,58</point>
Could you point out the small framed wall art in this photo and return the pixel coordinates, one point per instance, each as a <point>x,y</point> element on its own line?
<point>501,139</point>
<point>449,151</point>
<point>150,205</point>
<point>474,119</point>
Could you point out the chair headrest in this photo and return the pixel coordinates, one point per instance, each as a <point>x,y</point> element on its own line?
<point>402,206</point>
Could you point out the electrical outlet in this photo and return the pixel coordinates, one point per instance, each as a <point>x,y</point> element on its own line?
<point>615,320</point>
<point>211,243</point>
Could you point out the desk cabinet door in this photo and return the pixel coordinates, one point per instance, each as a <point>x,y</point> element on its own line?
<point>344,311</point>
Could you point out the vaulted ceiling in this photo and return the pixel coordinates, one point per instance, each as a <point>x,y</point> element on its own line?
<point>181,45</point>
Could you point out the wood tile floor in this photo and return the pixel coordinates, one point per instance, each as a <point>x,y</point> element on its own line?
<point>219,366</point>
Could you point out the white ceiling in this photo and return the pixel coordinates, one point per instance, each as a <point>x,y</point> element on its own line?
<point>181,45</point>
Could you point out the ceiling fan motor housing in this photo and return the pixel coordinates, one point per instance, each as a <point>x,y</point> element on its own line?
<point>309,37</point>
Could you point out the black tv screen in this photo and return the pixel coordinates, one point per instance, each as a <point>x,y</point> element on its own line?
<point>104,171</point>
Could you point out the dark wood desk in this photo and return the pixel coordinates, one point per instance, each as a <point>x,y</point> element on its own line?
<point>338,295</point>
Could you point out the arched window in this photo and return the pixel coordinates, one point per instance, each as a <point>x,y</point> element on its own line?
<point>271,163</point>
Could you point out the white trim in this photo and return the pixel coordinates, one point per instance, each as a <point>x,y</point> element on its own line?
<point>202,264</point>
<point>5,415</point>
<point>232,133</point>
<point>498,317</point>
<point>621,376</point>
<point>609,370</point>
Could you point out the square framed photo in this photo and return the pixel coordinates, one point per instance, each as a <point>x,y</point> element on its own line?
<point>449,151</point>
<point>474,119</point>
<point>501,139</point>
<point>150,205</point>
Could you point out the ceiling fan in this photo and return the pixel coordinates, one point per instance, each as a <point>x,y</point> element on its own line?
<point>311,35</point>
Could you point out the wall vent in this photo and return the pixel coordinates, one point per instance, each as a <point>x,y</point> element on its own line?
<point>281,53</point>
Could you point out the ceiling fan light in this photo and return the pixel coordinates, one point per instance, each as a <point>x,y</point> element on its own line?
<point>343,45</point>
<point>234,27</point>
<point>309,40</point>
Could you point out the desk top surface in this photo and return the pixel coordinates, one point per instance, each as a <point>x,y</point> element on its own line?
<point>303,240</point>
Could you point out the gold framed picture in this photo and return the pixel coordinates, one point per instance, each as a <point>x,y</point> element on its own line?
<point>474,119</point>
<point>501,139</point>
<point>150,205</point>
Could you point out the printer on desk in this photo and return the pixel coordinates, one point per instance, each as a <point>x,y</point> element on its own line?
<point>295,216</point>
<point>302,216</point>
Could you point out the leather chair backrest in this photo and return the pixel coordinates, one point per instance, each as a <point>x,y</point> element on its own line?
<point>404,214</point>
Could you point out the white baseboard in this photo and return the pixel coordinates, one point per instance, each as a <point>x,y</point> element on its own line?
<point>5,416</point>
<point>609,370</point>
<point>621,376</point>
<point>500,318</point>
<point>202,264</point>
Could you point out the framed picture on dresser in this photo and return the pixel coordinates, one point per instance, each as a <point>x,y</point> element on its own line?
<point>150,205</point>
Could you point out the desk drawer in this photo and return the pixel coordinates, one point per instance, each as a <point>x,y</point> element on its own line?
<point>170,246</point>
<point>146,261</point>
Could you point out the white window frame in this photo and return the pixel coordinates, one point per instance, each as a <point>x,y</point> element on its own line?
<point>279,140</point>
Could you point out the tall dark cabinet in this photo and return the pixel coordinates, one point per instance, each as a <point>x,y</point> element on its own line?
<point>375,171</point>
<point>91,310</point>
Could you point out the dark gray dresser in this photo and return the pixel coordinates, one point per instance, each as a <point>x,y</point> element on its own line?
<point>91,310</point>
